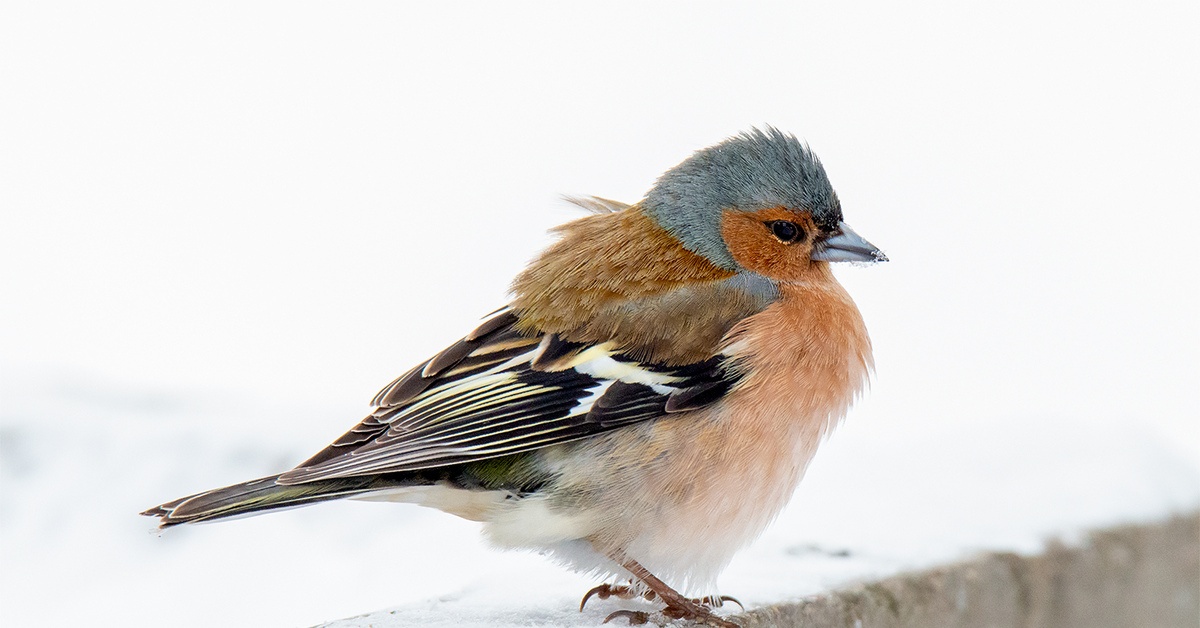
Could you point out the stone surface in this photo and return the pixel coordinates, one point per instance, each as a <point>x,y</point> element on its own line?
<point>1145,576</point>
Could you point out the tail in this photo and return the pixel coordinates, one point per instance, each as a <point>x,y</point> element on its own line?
<point>261,495</point>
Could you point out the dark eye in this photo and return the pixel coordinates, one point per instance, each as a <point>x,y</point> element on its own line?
<point>785,230</point>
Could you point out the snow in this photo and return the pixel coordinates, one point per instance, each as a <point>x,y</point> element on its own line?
<point>223,228</point>
<point>884,495</point>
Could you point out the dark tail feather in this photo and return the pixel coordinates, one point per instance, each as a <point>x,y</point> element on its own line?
<point>260,495</point>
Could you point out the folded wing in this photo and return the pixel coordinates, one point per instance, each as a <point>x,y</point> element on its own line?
<point>502,391</point>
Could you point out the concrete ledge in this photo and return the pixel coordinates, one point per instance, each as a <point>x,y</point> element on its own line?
<point>1144,576</point>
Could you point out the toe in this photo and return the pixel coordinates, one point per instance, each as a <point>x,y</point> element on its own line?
<point>635,617</point>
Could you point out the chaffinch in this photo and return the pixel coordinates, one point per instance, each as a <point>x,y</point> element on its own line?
<point>647,402</point>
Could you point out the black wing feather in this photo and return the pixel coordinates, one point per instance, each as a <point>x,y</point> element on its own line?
<point>501,391</point>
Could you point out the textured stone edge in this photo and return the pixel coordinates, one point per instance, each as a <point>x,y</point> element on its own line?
<point>1144,576</point>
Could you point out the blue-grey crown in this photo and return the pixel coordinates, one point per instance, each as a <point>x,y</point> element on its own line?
<point>748,172</point>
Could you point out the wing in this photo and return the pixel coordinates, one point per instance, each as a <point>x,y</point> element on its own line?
<point>502,391</point>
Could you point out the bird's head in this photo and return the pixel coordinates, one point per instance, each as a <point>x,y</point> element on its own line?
<point>760,202</point>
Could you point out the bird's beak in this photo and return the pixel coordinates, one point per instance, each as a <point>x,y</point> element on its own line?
<point>846,246</point>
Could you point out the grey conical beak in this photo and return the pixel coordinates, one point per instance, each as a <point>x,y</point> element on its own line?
<point>846,246</point>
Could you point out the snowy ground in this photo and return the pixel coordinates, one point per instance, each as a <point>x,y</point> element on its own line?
<point>80,460</point>
<point>223,227</point>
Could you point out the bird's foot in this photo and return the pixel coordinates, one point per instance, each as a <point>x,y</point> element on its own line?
<point>687,610</point>
<point>636,618</point>
<point>696,612</point>
<point>678,606</point>
<point>605,591</point>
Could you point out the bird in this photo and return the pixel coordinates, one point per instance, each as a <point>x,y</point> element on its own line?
<point>647,401</point>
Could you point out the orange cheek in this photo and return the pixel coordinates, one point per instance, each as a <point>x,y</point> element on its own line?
<point>754,247</point>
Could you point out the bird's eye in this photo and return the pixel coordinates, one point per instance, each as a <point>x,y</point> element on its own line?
<point>785,230</point>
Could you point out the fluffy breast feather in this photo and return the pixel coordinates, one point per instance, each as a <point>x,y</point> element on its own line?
<point>682,493</point>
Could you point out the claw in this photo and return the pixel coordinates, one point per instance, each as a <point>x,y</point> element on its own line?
<point>603,591</point>
<point>606,591</point>
<point>717,601</point>
<point>729,598</point>
<point>635,617</point>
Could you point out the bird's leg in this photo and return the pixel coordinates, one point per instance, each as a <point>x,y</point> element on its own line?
<point>678,606</point>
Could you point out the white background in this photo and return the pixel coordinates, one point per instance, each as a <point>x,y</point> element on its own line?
<point>224,226</point>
